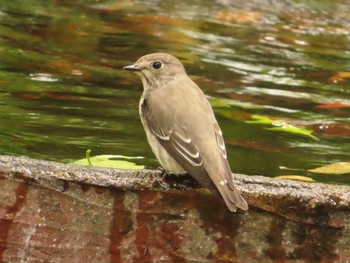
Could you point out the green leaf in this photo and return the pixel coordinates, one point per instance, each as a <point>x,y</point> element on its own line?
<point>334,168</point>
<point>112,161</point>
<point>292,129</point>
<point>259,119</point>
<point>281,125</point>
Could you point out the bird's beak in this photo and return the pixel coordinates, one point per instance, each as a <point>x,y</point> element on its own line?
<point>132,68</point>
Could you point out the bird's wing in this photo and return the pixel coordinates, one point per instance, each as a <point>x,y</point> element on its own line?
<point>224,181</point>
<point>179,145</point>
<point>179,140</point>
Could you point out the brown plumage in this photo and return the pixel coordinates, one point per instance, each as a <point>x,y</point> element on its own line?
<point>181,127</point>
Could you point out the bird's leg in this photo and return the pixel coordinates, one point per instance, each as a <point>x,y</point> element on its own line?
<point>165,174</point>
<point>181,181</point>
<point>163,177</point>
<point>162,171</point>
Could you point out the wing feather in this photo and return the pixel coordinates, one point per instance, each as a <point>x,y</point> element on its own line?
<point>181,147</point>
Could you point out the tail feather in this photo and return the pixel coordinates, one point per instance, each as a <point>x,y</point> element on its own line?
<point>233,200</point>
<point>230,195</point>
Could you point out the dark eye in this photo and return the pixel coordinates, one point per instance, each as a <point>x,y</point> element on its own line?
<point>157,65</point>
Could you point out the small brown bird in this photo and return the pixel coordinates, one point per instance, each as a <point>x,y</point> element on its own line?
<point>181,127</point>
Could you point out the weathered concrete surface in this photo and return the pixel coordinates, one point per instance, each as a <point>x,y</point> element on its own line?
<point>312,203</point>
<point>51,212</point>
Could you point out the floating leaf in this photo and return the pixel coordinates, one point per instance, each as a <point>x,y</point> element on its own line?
<point>340,77</point>
<point>336,104</point>
<point>112,161</point>
<point>296,177</point>
<point>280,125</point>
<point>334,168</point>
<point>340,129</point>
<point>292,129</point>
<point>259,119</point>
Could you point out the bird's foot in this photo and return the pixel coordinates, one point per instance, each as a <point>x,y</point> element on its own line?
<point>166,174</point>
<point>182,181</point>
<point>163,173</point>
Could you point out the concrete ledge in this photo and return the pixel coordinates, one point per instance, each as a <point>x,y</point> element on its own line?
<point>312,203</point>
<point>63,212</point>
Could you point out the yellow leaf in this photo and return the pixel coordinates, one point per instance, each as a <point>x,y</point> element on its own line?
<point>296,177</point>
<point>340,76</point>
<point>334,168</point>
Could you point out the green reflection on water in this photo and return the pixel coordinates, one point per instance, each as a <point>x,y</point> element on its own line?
<point>62,90</point>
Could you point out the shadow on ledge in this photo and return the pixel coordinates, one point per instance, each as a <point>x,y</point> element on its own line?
<point>52,211</point>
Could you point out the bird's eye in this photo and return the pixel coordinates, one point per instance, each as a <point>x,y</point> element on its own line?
<point>157,65</point>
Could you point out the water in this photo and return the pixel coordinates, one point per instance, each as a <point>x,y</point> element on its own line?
<point>62,89</point>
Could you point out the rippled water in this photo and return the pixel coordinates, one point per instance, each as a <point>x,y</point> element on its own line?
<point>62,90</point>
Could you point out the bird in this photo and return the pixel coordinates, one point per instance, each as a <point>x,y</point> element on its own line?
<point>181,127</point>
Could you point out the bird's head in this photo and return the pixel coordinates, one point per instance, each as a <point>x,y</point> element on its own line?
<point>156,69</point>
